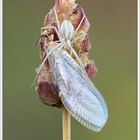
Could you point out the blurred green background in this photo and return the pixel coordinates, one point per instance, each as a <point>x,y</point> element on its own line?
<point>113,35</point>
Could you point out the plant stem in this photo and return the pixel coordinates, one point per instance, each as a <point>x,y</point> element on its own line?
<point>66,119</point>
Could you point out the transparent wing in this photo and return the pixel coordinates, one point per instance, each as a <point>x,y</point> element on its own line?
<point>80,97</point>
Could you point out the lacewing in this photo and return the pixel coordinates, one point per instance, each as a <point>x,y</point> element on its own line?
<point>77,93</point>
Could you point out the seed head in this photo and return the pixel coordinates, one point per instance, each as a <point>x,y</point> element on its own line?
<point>65,10</point>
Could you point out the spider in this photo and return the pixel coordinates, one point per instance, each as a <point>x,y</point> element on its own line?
<point>66,36</point>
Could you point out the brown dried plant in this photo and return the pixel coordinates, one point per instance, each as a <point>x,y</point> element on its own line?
<point>66,9</point>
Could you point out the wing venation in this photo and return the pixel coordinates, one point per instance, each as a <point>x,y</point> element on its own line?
<point>80,97</point>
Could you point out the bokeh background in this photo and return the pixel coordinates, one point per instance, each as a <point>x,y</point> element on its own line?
<point>113,36</point>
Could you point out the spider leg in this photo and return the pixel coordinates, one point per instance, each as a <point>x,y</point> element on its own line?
<point>59,50</point>
<point>63,46</point>
<point>78,59</point>
<point>47,54</point>
<point>80,62</point>
<point>49,37</point>
<point>79,25</point>
<point>57,21</point>
<point>78,37</point>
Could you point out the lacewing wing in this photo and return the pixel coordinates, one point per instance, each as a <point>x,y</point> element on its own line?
<point>78,94</point>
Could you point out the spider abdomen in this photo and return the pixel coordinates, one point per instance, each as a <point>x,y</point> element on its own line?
<point>67,29</point>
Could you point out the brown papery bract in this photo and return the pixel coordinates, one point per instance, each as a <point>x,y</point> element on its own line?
<point>65,9</point>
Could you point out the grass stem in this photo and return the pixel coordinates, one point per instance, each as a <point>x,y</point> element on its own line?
<point>66,120</point>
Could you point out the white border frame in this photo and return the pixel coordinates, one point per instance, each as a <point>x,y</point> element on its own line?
<point>1,69</point>
<point>138,69</point>
<point>1,73</point>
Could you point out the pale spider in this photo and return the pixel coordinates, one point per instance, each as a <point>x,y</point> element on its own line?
<point>66,35</point>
